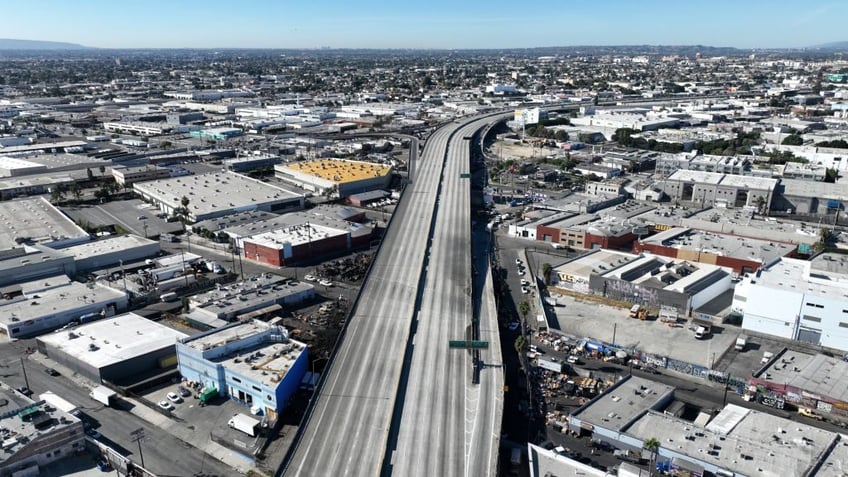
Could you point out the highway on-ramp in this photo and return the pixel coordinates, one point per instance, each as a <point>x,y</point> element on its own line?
<point>392,370</point>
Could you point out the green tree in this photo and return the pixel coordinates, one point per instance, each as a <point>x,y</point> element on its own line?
<point>524,309</point>
<point>652,445</point>
<point>546,272</point>
<point>792,140</point>
<point>76,190</point>
<point>57,193</point>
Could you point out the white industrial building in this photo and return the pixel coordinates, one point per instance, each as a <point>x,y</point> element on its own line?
<point>217,194</point>
<point>50,303</point>
<point>112,251</point>
<point>30,262</point>
<point>115,349</point>
<point>37,220</point>
<point>13,166</point>
<point>798,300</point>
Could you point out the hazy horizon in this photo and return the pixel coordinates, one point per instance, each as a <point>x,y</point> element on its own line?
<point>371,24</point>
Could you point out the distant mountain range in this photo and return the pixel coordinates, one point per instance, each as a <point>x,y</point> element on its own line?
<point>684,50</point>
<point>11,44</point>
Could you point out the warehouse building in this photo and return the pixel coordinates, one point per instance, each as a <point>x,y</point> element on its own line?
<point>250,163</point>
<point>797,300</point>
<point>217,134</point>
<point>719,190</point>
<point>216,308</point>
<point>30,262</point>
<point>217,194</point>
<point>127,176</point>
<point>35,434</point>
<point>301,235</point>
<point>336,177</point>
<point>12,167</point>
<point>111,251</point>
<point>36,220</point>
<point>47,304</point>
<point>645,279</point>
<point>631,412</point>
<point>118,349</point>
<point>252,362</point>
<point>741,254</point>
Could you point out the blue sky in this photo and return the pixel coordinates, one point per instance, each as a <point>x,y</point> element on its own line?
<point>424,24</point>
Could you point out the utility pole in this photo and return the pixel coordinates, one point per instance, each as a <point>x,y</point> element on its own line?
<point>23,368</point>
<point>137,436</point>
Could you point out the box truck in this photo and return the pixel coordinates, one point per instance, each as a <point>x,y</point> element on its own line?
<point>103,395</point>
<point>244,423</point>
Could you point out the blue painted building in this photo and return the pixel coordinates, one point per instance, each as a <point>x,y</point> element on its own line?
<point>252,362</point>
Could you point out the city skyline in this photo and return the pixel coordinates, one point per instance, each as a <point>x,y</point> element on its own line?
<point>437,25</point>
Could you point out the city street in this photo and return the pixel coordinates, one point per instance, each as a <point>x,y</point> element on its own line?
<point>114,425</point>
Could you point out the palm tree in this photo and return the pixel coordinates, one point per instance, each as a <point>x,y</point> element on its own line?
<point>546,272</point>
<point>652,445</point>
<point>524,309</point>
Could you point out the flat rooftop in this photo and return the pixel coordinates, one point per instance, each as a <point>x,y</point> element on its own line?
<point>702,177</point>
<point>115,339</point>
<point>36,219</point>
<point>108,245</point>
<point>545,462</point>
<point>234,220</point>
<point>836,464</point>
<point>771,446</point>
<point>266,361</point>
<point>15,163</point>
<point>814,373</point>
<point>748,182</point>
<point>248,295</point>
<point>725,245</point>
<point>215,191</point>
<point>319,216</point>
<point>595,262</point>
<point>24,421</point>
<point>618,406</point>
<point>18,257</point>
<point>294,235</point>
<point>47,301</point>
<point>339,171</point>
<point>800,276</point>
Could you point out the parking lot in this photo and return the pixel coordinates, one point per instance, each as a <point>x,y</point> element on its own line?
<point>133,215</point>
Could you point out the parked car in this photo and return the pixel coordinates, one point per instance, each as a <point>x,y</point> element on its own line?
<point>326,283</point>
<point>524,282</point>
<point>51,372</point>
<point>166,405</point>
<point>25,391</point>
<point>184,392</point>
<point>525,290</point>
<point>518,261</point>
<point>174,397</point>
<point>309,278</point>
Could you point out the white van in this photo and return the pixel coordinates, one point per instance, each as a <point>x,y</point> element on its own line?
<point>701,333</point>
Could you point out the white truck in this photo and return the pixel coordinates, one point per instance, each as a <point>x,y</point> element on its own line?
<point>103,395</point>
<point>244,423</point>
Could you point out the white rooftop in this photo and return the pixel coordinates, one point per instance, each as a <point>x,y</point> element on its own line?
<point>214,192</point>
<point>63,298</point>
<point>814,373</point>
<point>686,175</point>
<point>37,219</point>
<point>617,407</point>
<point>114,339</point>
<point>758,444</point>
<point>107,245</point>
<point>295,235</point>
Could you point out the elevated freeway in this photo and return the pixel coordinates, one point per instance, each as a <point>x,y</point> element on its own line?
<point>395,400</point>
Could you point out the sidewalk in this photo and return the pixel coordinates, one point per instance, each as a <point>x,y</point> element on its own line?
<point>239,462</point>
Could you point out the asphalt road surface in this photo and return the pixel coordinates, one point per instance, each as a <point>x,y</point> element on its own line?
<point>164,454</point>
<point>372,398</point>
